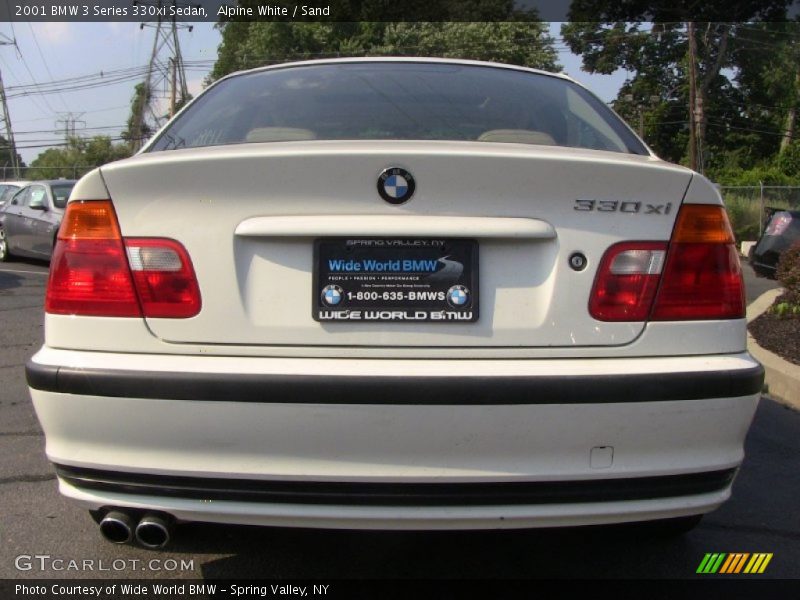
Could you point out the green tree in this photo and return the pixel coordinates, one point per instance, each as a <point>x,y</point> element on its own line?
<point>495,31</point>
<point>137,129</point>
<point>657,56</point>
<point>6,161</point>
<point>767,56</point>
<point>610,35</point>
<point>519,43</point>
<point>77,158</point>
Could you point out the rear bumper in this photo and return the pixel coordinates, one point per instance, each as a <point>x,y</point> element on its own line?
<point>396,444</point>
<point>483,382</point>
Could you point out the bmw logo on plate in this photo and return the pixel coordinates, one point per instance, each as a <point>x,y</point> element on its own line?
<point>458,296</point>
<point>396,185</point>
<point>332,295</point>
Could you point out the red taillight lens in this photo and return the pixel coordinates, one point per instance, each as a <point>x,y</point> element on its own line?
<point>164,278</point>
<point>89,273</point>
<point>778,223</point>
<point>94,272</point>
<point>701,281</point>
<point>626,281</point>
<point>702,278</point>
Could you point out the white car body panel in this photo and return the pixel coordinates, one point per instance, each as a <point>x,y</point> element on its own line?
<point>257,290</point>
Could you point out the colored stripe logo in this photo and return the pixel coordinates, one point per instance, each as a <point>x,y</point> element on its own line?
<point>734,563</point>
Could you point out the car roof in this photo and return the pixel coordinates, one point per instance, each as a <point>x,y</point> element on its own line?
<point>398,59</point>
<point>52,181</point>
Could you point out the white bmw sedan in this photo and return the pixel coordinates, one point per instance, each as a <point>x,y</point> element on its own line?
<point>395,294</point>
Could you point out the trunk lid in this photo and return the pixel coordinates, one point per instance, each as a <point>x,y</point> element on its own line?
<point>249,215</point>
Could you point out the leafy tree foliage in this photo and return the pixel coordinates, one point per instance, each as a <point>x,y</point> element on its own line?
<point>609,35</point>
<point>77,158</point>
<point>487,30</point>
<point>138,130</point>
<point>6,161</point>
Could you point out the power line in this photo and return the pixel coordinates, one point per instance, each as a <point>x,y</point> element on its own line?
<point>70,120</point>
<point>166,67</point>
<point>44,62</point>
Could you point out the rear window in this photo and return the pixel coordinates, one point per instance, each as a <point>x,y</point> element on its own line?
<point>398,101</point>
<point>61,194</point>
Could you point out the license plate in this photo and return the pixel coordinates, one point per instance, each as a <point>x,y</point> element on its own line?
<point>395,279</point>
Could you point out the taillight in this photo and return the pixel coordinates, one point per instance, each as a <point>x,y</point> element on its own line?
<point>702,277</point>
<point>778,223</point>
<point>90,272</point>
<point>627,280</point>
<point>164,278</point>
<point>697,276</point>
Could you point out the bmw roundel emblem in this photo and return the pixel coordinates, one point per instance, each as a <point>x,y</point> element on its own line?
<point>396,185</point>
<point>458,296</point>
<point>332,295</point>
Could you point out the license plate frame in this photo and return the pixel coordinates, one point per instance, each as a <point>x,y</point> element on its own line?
<point>395,279</point>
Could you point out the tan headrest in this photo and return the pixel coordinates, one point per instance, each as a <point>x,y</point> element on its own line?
<point>279,134</point>
<point>517,136</point>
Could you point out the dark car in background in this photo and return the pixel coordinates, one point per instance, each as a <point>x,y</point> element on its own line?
<point>781,232</point>
<point>29,221</point>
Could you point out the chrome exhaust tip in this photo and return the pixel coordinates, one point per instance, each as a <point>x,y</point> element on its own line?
<point>117,527</point>
<point>153,531</point>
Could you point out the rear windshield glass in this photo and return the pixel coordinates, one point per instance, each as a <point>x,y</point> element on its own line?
<point>61,194</point>
<point>398,101</point>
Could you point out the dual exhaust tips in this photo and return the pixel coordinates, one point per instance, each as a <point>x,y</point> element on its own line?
<point>151,531</point>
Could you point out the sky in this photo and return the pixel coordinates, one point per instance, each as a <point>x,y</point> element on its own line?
<point>53,51</point>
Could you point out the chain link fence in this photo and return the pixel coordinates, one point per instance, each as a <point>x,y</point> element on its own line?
<point>749,207</point>
<point>38,173</point>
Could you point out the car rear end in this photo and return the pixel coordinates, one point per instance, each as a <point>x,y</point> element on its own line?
<point>782,231</point>
<point>538,335</point>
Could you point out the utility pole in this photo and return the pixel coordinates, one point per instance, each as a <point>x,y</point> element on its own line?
<point>9,132</point>
<point>166,74</point>
<point>172,91</point>
<point>791,114</point>
<point>642,104</point>
<point>692,96</point>
<point>69,120</point>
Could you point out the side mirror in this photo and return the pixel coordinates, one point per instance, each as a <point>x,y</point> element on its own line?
<point>38,206</point>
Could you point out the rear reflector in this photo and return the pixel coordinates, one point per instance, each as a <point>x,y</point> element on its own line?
<point>95,272</point>
<point>697,277</point>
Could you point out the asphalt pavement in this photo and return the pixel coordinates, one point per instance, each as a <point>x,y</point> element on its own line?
<point>35,521</point>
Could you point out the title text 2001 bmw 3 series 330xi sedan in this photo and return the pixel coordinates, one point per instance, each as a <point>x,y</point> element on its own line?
<point>399,294</point>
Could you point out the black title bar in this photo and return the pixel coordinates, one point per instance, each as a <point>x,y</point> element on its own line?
<point>150,11</point>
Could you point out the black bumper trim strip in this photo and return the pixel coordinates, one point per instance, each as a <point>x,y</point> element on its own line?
<point>491,390</point>
<point>398,494</point>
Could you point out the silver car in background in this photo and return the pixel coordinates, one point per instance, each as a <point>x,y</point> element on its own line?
<point>8,189</point>
<point>30,219</point>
